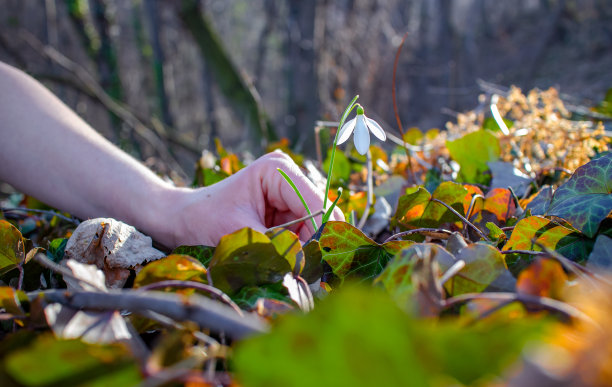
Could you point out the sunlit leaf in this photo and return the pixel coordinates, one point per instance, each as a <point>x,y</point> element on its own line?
<point>11,300</point>
<point>173,267</point>
<point>246,258</point>
<point>413,136</point>
<point>417,210</point>
<point>483,265</point>
<point>586,198</point>
<point>48,361</point>
<point>351,254</point>
<point>342,167</point>
<point>288,246</point>
<point>11,247</point>
<point>543,278</point>
<point>551,234</point>
<point>473,151</point>
<point>499,202</point>
<point>404,278</point>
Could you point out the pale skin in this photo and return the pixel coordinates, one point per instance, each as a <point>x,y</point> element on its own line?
<point>49,152</point>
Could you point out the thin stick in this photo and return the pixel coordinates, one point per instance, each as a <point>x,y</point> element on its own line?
<point>204,311</point>
<point>291,223</point>
<point>542,302</point>
<point>467,222</point>
<point>370,197</point>
<point>418,230</point>
<point>530,252</point>
<point>193,285</point>
<point>46,212</point>
<point>452,271</point>
<point>471,208</point>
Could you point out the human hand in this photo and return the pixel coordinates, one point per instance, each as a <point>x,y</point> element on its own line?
<point>257,197</point>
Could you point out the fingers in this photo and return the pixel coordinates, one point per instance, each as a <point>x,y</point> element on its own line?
<point>281,195</point>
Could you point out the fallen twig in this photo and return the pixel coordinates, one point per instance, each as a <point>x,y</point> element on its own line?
<point>203,311</point>
<point>423,230</point>
<point>467,222</point>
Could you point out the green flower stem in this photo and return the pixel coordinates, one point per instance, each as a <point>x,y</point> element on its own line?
<point>299,194</point>
<point>331,208</point>
<point>347,111</point>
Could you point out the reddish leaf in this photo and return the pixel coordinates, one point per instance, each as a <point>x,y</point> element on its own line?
<point>543,278</point>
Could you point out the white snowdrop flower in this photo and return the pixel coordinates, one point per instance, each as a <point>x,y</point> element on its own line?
<point>361,124</point>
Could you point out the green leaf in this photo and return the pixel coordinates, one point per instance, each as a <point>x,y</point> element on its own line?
<point>247,296</point>
<point>11,300</point>
<point>351,254</point>
<point>551,234</point>
<point>246,258</point>
<point>601,256</point>
<point>172,267</point>
<point>11,247</point>
<point>418,209</point>
<point>585,200</point>
<point>48,361</point>
<point>472,152</point>
<point>401,279</point>
<point>341,171</point>
<point>55,252</point>
<point>483,265</point>
<point>540,203</point>
<point>313,269</point>
<point>358,337</point>
<point>413,136</point>
<point>200,252</point>
<point>288,246</point>
<point>490,124</point>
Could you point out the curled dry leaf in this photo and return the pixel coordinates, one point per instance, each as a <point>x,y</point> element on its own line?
<point>89,326</point>
<point>113,246</point>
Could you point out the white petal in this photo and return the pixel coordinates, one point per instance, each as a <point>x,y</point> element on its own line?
<point>376,129</point>
<point>362,136</point>
<point>346,130</point>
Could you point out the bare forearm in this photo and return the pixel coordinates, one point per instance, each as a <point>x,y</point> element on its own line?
<point>49,152</point>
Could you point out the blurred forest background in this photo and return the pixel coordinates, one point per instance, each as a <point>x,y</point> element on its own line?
<point>163,78</point>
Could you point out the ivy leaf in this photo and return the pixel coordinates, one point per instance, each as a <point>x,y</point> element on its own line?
<point>484,264</point>
<point>351,254</point>
<point>541,201</point>
<point>417,209</point>
<point>11,247</point>
<point>11,300</point>
<point>173,267</point>
<point>358,337</point>
<point>410,285</point>
<point>551,234</point>
<point>288,246</point>
<point>48,361</point>
<point>585,200</point>
<point>246,258</point>
<point>601,256</point>
<point>473,151</point>
<point>543,278</point>
<point>313,268</point>
<point>200,252</point>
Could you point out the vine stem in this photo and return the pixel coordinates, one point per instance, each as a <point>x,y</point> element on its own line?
<point>193,285</point>
<point>542,302</point>
<point>451,209</point>
<point>416,231</point>
<point>347,111</point>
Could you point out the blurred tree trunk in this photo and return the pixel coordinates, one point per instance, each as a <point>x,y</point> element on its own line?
<point>158,60</point>
<point>302,81</point>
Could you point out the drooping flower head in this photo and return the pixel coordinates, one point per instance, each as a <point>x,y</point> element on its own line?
<point>361,125</point>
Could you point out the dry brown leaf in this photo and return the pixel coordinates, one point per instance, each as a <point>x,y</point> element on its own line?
<point>112,246</point>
